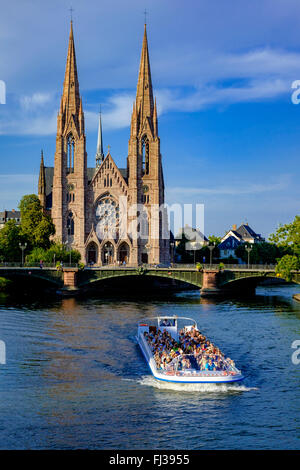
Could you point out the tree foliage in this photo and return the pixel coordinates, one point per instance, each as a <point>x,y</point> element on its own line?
<point>36,226</point>
<point>264,252</point>
<point>188,256</point>
<point>214,239</point>
<point>57,252</point>
<point>286,265</point>
<point>288,236</point>
<point>35,230</point>
<point>10,237</point>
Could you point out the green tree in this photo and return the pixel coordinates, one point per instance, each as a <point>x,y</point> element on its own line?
<point>57,252</point>
<point>286,265</point>
<point>10,237</point>
<point>184,255</point>
<point>288,236</point>
<point>36,226</point>
<point>214,239</point>
<point>264,252</point>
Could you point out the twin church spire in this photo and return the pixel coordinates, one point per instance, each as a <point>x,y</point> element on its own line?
<point>144,106</point>
<point>144,92</point>
<point>71,102</point>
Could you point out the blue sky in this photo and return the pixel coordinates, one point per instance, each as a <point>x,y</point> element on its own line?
<point>222,73</point>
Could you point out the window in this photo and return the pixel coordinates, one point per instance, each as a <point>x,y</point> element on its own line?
<point>70,224</point>
<point>145,153</point>
<point>71,153</point>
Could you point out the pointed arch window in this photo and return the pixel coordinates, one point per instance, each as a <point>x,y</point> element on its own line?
<point>71,153</point>
<point>70,224</point>
<point>145,153</point>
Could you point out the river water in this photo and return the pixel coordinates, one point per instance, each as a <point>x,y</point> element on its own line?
<point>75,378</point>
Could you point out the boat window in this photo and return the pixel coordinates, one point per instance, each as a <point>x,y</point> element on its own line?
<point>167,322</point>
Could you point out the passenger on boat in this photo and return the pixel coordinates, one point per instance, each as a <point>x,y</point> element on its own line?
<point>165,350</point>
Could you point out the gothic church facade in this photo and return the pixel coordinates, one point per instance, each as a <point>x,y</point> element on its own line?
<point>110,215</point>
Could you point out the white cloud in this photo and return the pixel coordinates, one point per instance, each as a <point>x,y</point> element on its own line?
<point>232,190</point>
<point>29,114</point>
<point>20,123</point>
<point>117,115</point>
<point>256,75</point>
<point>30,103</point>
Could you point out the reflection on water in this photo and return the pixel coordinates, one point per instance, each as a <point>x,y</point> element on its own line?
<point>75,377</point>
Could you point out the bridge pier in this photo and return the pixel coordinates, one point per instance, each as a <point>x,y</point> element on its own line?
<point>210,283</point>
<point>70,281</point>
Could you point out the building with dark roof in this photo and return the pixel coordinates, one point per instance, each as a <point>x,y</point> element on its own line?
<point>228,246</point>
<point>237,236</point>
<point>5,216</point>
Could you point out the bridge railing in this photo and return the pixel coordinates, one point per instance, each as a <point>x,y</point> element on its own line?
<point>253,267</point>
<point>192,267</point>
<point>35,265</point>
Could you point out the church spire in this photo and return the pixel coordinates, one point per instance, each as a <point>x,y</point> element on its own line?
<point>144,93</point>
<point>99,153</point>
<point>42,183</point>
<point>70,101</point>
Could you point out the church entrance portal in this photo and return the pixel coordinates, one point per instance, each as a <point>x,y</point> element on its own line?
<point>92,253</point>
<point>123,253</point>
<point>145,258</point>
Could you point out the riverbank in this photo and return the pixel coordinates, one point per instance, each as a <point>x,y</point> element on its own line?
<point>296,297</point>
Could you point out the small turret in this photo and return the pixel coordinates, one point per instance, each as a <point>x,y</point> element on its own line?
<point>42,183</point>
<point>99,153</point>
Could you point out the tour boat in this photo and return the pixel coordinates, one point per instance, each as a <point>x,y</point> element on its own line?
<point>183,368</point>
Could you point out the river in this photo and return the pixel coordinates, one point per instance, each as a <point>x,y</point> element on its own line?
<point>75,378</point>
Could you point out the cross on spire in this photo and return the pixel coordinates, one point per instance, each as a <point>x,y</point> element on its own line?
<point>145,14</point>
<point>71,11</point>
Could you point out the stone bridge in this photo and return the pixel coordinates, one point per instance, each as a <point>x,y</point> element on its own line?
<point>210,281</point>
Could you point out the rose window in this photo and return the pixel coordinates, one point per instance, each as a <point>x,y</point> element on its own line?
<point>107,218</point>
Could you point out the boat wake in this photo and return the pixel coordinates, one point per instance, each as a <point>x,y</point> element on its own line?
<point>150,381</point>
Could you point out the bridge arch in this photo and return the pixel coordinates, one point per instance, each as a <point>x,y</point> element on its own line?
<point>189,277</point>
<point>247,282</point>
<point>31,275</point>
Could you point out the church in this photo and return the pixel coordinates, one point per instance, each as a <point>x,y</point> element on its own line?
<point>110,215</point>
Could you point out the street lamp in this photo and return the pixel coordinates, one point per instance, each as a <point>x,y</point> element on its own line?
<point>211,247</point>
<point>23,247</point>
<point>248,249</point>
<point>172,244</point>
